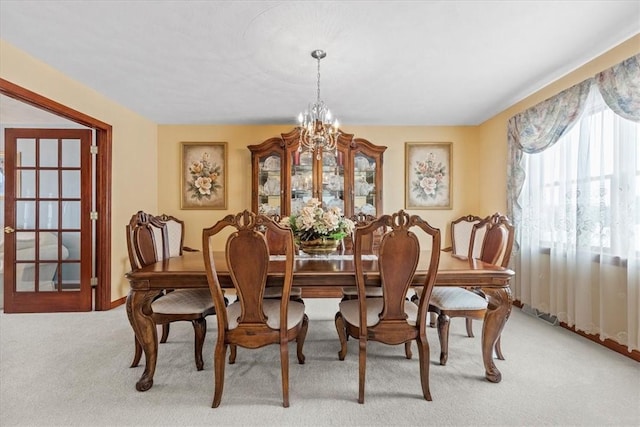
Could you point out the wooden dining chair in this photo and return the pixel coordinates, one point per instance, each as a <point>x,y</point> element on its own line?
<point>148,243</point>
<point>253,321</point>
<point>175,238</point>
<point>277,244</point>
<point>369,244</point>
<point>391,319</point>
<point>449,302</point>
<point>460,232</point>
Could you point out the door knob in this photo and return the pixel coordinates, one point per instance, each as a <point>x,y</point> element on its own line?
<point>9,230</point>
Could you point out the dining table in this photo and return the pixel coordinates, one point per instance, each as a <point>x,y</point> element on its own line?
<point>317,276</point>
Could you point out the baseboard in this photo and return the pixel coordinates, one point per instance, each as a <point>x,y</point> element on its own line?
<point>553,320</point>
<point>118,302</point>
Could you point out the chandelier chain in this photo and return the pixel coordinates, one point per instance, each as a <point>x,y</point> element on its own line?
<point>318,81</point>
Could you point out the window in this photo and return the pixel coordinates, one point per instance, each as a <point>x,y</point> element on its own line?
<point>584,191</point>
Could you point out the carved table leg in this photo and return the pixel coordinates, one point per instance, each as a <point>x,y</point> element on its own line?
<point>498,312</point>
<point>139,313</point>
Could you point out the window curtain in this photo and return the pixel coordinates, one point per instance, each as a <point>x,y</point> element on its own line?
<point>566,262</point>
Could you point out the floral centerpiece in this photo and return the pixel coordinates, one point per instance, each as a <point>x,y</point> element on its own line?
<point>317,230</point>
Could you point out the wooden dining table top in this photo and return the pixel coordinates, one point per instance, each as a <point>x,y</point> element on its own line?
<point>332,270</point>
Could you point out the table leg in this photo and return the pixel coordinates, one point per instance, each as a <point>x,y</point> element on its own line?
<point>139,313</point>
<point>498,312</point>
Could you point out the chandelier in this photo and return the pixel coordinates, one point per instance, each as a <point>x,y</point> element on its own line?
<point>318,129</point>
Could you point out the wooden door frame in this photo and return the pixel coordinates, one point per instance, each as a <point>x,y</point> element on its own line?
<point>103,181</point>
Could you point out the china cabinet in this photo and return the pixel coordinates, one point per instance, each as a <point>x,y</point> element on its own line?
<point>284,177</point>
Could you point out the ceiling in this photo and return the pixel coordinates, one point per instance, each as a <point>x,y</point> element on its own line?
<point>249,62</point>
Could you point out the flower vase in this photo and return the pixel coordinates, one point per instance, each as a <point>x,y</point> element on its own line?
<point>320,246</point>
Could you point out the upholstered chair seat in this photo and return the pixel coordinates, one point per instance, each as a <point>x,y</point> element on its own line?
<point>271,310</point>
<point>350,310</point>
<point>183,301</point>
<point>455,298</point>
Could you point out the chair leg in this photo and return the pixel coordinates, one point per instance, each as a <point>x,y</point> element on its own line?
<point>362,368</point>
<point>200,332</point>
<point>423,356</point>
<point>165,332</point>
<point>498,349</point>
<point>300,339</point>
<point>284,365</point>
<point>218,368</point>
<point>407,350</point>
<point>232,354</point>
<point>469,327</point>
<point>432,319</point>
<point>443,335</point>
<point>137,353</point>
<point>342,334</point>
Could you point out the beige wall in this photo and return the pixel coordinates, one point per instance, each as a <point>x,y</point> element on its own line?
<point>465,168</point>
<point>134,152</point>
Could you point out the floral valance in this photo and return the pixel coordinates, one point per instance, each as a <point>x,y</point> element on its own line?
<point>542,125</point>
<point>620,88</point>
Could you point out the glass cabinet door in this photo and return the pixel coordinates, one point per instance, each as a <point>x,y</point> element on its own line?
<point>270,184</point>
<point>301,179</point>
<point>364,185</point>
<point>333,180</point>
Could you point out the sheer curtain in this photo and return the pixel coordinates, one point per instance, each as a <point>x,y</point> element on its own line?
<point>574,196</point>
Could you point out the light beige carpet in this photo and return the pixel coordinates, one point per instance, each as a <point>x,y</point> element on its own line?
<point>72,369</point>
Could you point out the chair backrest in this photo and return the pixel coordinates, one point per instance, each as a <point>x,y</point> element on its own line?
<point>175,233</point>
<point>276,242</point>
<point>461,230</point>
<point>497,243</point>
<point>398,258</point>
<point>369,242</point>
<point>146,240</point>
<point>247,258</point>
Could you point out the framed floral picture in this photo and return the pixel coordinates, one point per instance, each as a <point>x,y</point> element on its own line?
<point>204,175</point>
<point>428,175</point>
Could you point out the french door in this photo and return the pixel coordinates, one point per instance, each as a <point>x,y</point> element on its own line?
<point>48,227</point>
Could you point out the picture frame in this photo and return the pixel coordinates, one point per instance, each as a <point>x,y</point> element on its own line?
<point>203,183</point>
<point>428,175</point>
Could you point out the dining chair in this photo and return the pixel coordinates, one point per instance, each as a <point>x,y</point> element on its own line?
<point>448,302</point>
<point>148,243</point>
<point>253,321</point>
<point>175,238</point>
<point>391,319</point>
<point>277,244</point>
<point>461,229</point>
<point>175,234</point>
<point>369,244</point>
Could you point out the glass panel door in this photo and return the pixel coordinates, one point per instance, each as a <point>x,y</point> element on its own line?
<point>364,185</point>
<point>333,180</point>
<point>270,185</point>
<point>47,236</point>
<point>301,179</point>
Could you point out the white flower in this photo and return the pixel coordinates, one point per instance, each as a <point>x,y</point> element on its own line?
<point>203,184</point>
<point>429,185</point>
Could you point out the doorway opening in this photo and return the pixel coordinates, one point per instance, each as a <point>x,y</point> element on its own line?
<point>103,162</point>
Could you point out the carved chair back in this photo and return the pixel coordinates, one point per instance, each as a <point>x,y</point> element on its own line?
<point>247,257</point>
<point>398,257</point>
<point>461,230</point>
<point>497,242</point>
